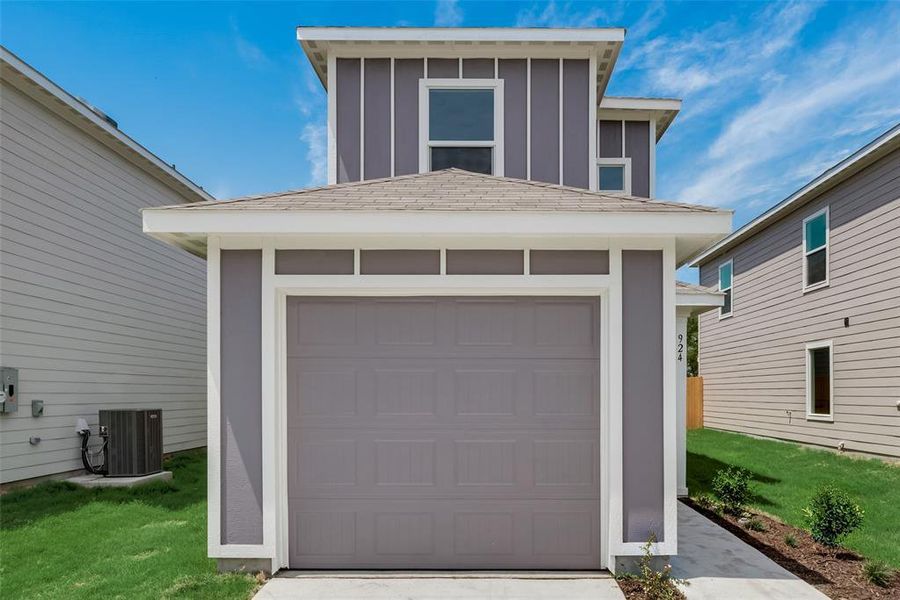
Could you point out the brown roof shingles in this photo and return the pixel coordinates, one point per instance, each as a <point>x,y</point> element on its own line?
<point>448,190</point>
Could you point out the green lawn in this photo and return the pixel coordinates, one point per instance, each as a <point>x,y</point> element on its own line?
<point>785,476</point>
<point>61,541</point>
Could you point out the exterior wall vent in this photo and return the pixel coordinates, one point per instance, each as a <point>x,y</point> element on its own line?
<point>135,441</point>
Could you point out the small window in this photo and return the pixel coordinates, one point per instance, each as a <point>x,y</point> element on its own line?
<point>818,381</point>
<point>614,175</point>
<point>462,126</point>
<point>725,275</point>
<point>815,250</point>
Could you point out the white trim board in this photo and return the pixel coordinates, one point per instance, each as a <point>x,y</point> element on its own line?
<point>460,34</point>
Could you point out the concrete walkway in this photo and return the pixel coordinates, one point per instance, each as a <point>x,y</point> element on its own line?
<point>440,586</point>
<point>717,565</point>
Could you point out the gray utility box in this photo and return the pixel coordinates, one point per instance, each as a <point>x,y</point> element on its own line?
<point>135,442</point>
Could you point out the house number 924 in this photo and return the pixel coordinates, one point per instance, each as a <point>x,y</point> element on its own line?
<point>679,347</point>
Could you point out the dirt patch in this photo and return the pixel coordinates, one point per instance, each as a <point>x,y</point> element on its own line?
<point>633,590</point>
<point>836,572</point>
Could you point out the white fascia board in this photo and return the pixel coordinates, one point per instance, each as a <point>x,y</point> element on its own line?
<point>699,301</point>
<point>38,79</point>
<point>459,34</point>
<point>648,104</point>
<point>866,155</point>
<point>238,222</point>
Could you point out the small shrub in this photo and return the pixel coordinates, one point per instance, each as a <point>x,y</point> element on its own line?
<point>878,573</point>
<point>706,501</point>
<point>755,524</point>
<point>791,540</point>
<point>832,515</point>
<point>732,486</point>
<point>657,585</point>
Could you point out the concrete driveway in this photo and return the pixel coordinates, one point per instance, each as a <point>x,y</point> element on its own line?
<point>440,586</point>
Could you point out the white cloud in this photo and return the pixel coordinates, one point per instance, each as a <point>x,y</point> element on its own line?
<point>565,15</point>
<point>448,14</point>
<point>315,138</point>
<point>784,137</point>
<point>251,54</point>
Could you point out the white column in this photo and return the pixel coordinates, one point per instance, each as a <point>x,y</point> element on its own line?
<point>681,320</point>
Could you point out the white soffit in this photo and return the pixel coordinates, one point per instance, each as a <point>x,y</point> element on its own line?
<point>661,110</point>
<point>466,42</point>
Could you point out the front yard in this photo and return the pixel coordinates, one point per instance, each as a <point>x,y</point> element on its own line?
<point>785,476</point>
<point>61,541</point>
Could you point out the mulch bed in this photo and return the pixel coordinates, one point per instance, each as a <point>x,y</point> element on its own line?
<point>837,573</point>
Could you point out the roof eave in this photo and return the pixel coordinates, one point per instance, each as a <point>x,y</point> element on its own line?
<point>868,154</point>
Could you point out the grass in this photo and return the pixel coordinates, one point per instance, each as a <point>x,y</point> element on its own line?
<point>785,476</point>
<point>58,540</point>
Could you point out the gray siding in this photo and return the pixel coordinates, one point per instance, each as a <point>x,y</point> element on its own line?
<point>377,120</point>
<point>609,141</point>
<point>514,73</point>
<point>240,391</point>
<point>545,115</point>
<point>407,72</point>
<point>93,313</point>
<point>637,147</point>
<point>753,363</point>
<point>642,395</point>
<point>576,122</point>
<point>347,119</point>
<point>545,120</point>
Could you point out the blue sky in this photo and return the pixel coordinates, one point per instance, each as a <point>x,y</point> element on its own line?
<point>773,93</point>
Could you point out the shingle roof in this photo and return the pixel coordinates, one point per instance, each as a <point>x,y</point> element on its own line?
<point>689,288</point>
<point>448,190</point>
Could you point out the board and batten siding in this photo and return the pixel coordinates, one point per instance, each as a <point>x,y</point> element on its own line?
<point>753,363</point>
<point>93,313</point>
<point>628,139</point>
<point>558,128</point>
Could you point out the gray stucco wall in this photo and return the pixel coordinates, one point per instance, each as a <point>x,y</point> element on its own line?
<point>347,119</point>
<point>240,389</point>
<point>642,395</point>
<point>545,116</point>
<point>753,363</point>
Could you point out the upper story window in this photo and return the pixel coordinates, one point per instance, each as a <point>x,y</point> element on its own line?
<point>815,250</point>
<point>461,125</point>
<point>725,275</point>
<point>614,175</point>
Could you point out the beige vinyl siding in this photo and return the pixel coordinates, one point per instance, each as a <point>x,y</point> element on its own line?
<point>93,313</point>
<point>754,363</point>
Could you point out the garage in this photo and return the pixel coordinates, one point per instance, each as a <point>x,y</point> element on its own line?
<point>443,432</point>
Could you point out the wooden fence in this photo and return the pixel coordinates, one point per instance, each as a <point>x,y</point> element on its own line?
<point>694,402</point>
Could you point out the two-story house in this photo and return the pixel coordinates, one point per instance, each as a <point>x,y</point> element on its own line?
<point>807,345</point>
<point>461,353</point>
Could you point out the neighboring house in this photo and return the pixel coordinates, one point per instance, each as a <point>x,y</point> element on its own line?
<point>445,358</point>
<point>94,314</point>
<point>807,345</point>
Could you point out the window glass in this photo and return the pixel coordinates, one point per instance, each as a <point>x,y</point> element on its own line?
<point>816,267</point>
<point>461,115</point>
<point>726,308</point>
<point>820,386</point>
<point>725,276</point>
<point>477,160</point>
<point>816,232</point>
<point>611,178</point>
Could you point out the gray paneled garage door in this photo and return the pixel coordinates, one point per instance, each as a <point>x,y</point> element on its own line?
<point>441,433</point>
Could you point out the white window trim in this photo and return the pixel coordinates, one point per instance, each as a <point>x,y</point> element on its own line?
<point>810,415</point>
<point>827,246</point>
<point>730,261</point>
<point>425,85</point>
<point>615,162</point>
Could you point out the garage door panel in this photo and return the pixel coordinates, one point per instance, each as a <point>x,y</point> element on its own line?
<point>444,433</point>
<point>463,534</point>
<point>429,464</point>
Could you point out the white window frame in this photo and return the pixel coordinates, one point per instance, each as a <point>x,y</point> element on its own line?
<point>827,246</point>
<point>615,162</point>
<point>810,415</point>
<point>730,262</point>
<point>425,143</point>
